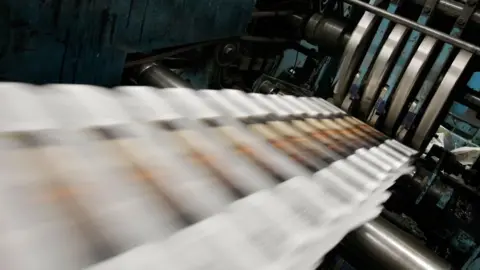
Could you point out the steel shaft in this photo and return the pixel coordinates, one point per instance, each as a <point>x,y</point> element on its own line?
<point>159,76</point>
<point>380,245</point>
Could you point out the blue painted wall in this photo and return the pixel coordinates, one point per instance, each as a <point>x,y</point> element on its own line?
<point>86,41</point>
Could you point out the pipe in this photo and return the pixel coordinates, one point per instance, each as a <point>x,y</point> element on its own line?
<point>262,14</point>
<point>380,245</point>
<point>159,76</point>
<point>261,39</point>
<point>473,101</point>
<point>165,52</point>
<point>451,8</point>
<point>420,28</point>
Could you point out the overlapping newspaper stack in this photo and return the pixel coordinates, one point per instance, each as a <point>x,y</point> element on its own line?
<point>143,178</point>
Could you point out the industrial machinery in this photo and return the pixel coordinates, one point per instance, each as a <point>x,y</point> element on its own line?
<point>408,68</point>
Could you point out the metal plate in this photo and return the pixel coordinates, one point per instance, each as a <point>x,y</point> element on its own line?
<point>353,54</point>
<point>368,60</point>
<point>385,61</point>
<point>374,115</point>
<point>439,100</point>
<point>347,103</point>
<point>405,87</point>
<point>396,74</point>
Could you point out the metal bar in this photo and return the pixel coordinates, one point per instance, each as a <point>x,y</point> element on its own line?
<point>421,28</point>
<point>261,39</point>
<point>451,8</point>
<point>381,245</point>
<point>262,14</point>
<point>159,76</point>
<point>471,101</point>
<point>165,52</point>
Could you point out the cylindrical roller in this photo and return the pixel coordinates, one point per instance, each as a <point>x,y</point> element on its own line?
<point>381,245</point>
<point>328,33</point>
<point>159,76</point>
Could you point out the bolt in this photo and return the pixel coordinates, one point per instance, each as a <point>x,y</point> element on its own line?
<point>229,49</point>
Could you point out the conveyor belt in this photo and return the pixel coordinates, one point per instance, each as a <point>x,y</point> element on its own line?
<point>138,177</point>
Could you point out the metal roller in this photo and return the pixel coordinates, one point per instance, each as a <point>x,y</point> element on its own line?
<point>381,68</point>
<point>328,33</point>
<point>442,95</point>
<point>410,77</point>
<point>159,76</point>
<point>380,245</point>
<point>353,54</point>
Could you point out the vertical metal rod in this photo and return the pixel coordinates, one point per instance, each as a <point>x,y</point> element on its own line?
<point>420,28</point>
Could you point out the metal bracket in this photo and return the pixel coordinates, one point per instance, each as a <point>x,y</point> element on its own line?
<point>416,108</point>
<point>399,68</point>
<point>378,40</point>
